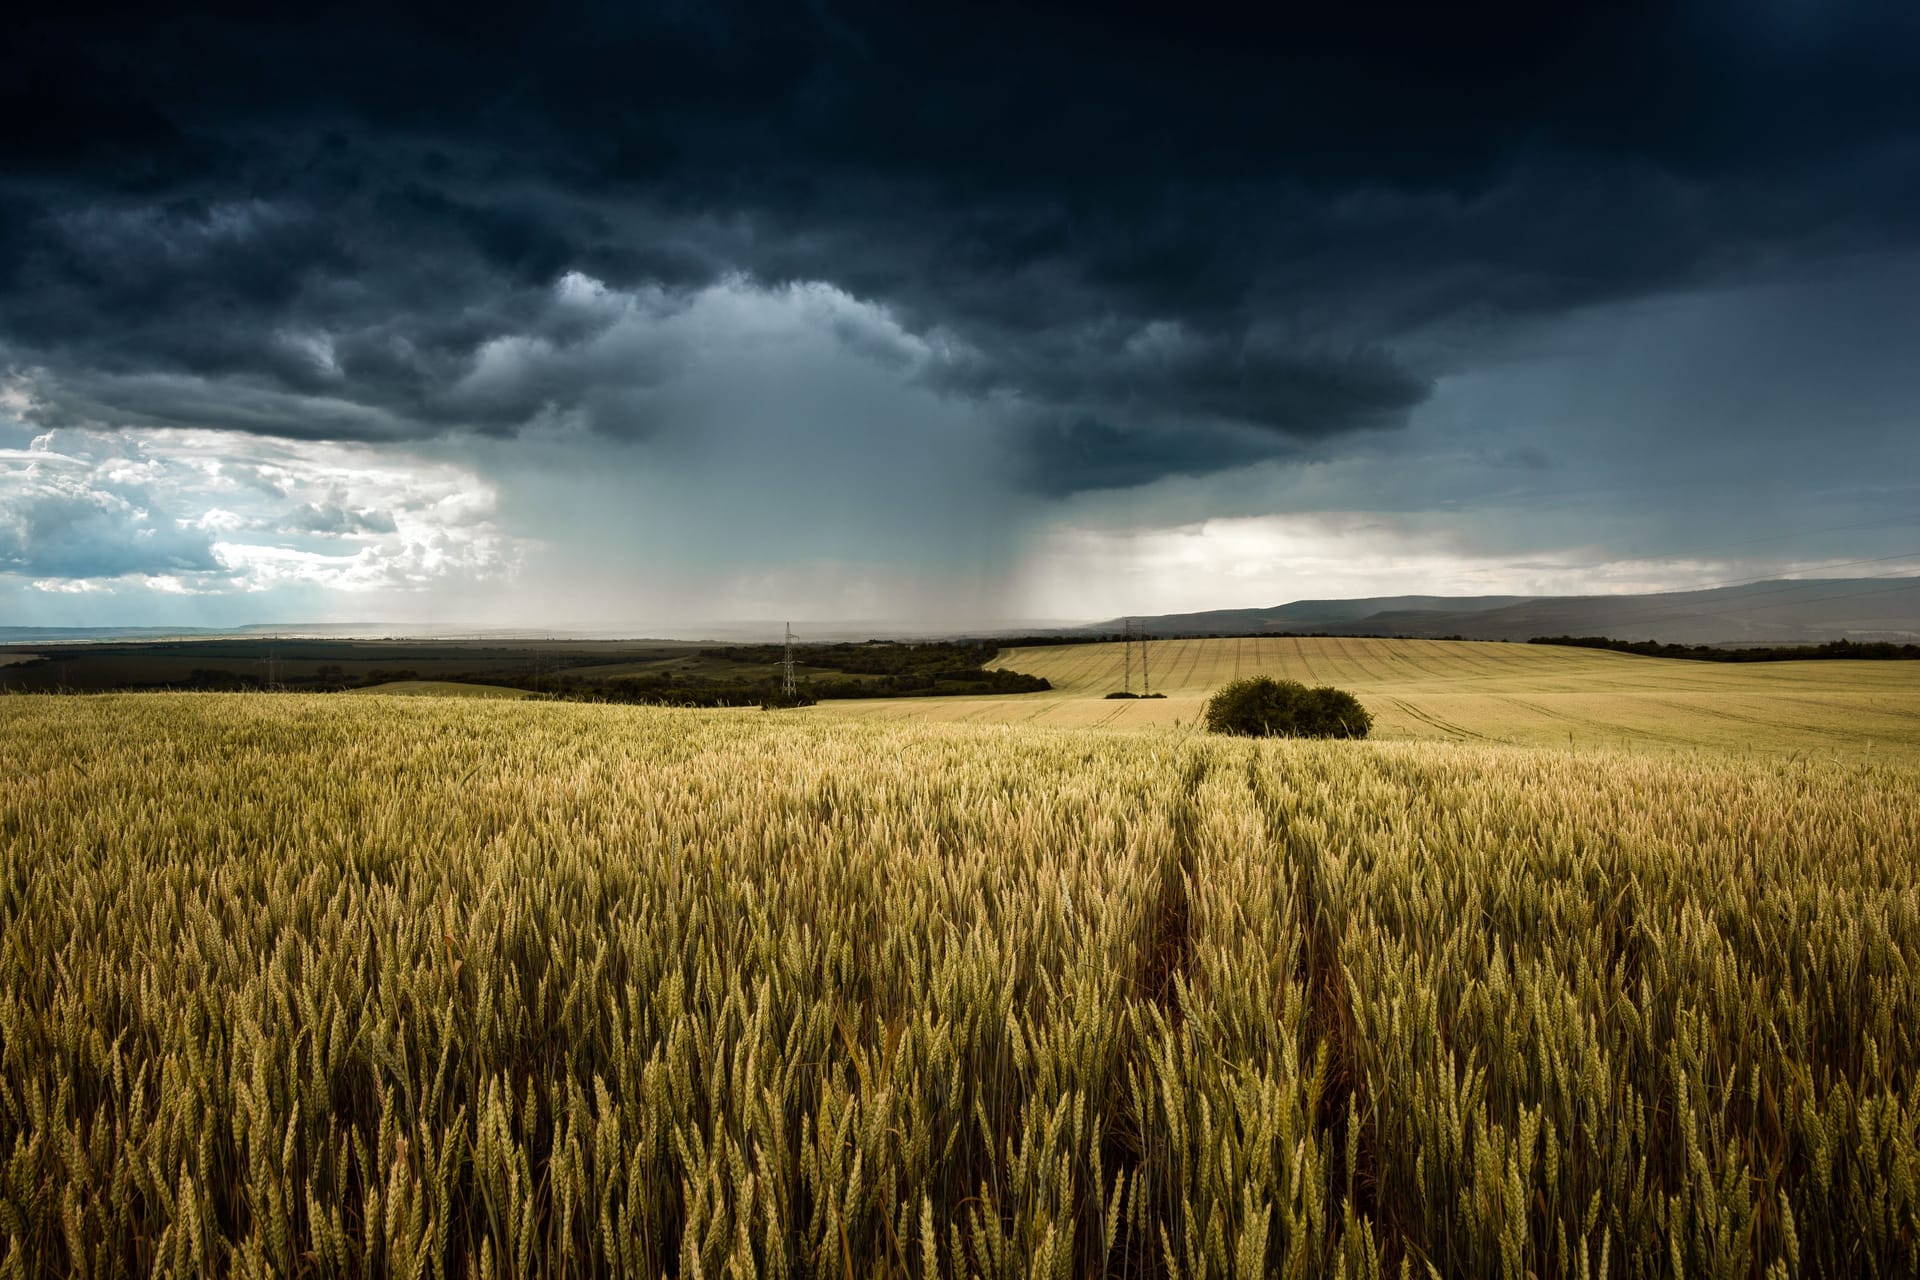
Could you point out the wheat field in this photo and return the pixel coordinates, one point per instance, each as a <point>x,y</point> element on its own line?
<point>1475,691</point>
<point>300,985</point>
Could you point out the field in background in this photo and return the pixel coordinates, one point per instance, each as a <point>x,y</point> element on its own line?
<point>1466,691</point>
<point>311,984</point>
<point>438,689</point>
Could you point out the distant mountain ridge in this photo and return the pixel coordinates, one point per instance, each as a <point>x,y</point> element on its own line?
<point>1782,611</point>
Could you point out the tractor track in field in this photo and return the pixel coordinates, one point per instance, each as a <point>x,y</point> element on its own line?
<point>1162,966</point>
<point>1306,664</point>
<point>1465,667</point>
<point>1435,663</point>
<point>1319,972</point>
<point>1356,652</point>
<point>1819,704</point>
<point>1721,713</point>
<point>1604,728</point>
<point>1437,722</point>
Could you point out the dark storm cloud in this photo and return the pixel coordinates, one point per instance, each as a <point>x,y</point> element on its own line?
<point>1070,455</point>
<point>1162,372</point>
<point>1152,247</point>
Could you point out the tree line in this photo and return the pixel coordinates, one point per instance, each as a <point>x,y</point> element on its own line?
<point>1850,649</point>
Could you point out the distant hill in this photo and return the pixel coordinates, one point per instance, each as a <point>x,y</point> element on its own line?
<point>1782,611</point>
<point>1314,615</point>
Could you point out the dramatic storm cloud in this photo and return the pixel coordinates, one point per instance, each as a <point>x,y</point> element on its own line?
<point>648,314</point>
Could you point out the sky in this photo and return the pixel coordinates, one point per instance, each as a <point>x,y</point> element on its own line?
<point>649,316</point>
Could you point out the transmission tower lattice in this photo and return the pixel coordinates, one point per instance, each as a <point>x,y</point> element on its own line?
<point>787,685</point>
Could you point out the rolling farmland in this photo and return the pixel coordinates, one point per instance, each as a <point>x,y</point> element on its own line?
<point>1463,691</point>
<point>312,985</point>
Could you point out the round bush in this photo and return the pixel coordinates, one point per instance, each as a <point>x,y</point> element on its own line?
<point>1334,713</point>
<point>1262,707</point>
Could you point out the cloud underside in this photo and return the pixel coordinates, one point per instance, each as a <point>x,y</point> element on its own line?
<point>331,362</point>
<point>1135,253</point>
<point>668,304</point>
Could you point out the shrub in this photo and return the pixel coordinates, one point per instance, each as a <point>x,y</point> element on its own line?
<point>1335,713</point>
<point>1262,707</point>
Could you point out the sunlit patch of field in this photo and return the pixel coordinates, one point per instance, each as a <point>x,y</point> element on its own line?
<point>1470,691</point>
<point>442,689</point>
<point>319,985</point>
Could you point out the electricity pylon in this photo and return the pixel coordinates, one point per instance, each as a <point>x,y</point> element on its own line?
<point>787,685</point>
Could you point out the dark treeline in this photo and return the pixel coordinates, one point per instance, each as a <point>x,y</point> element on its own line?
<point>736,675</point>
<point>878,669</point>
<point>327,679</point>
<point>874,657</point>
<point>1769,653</point>
<point>668,689</point>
